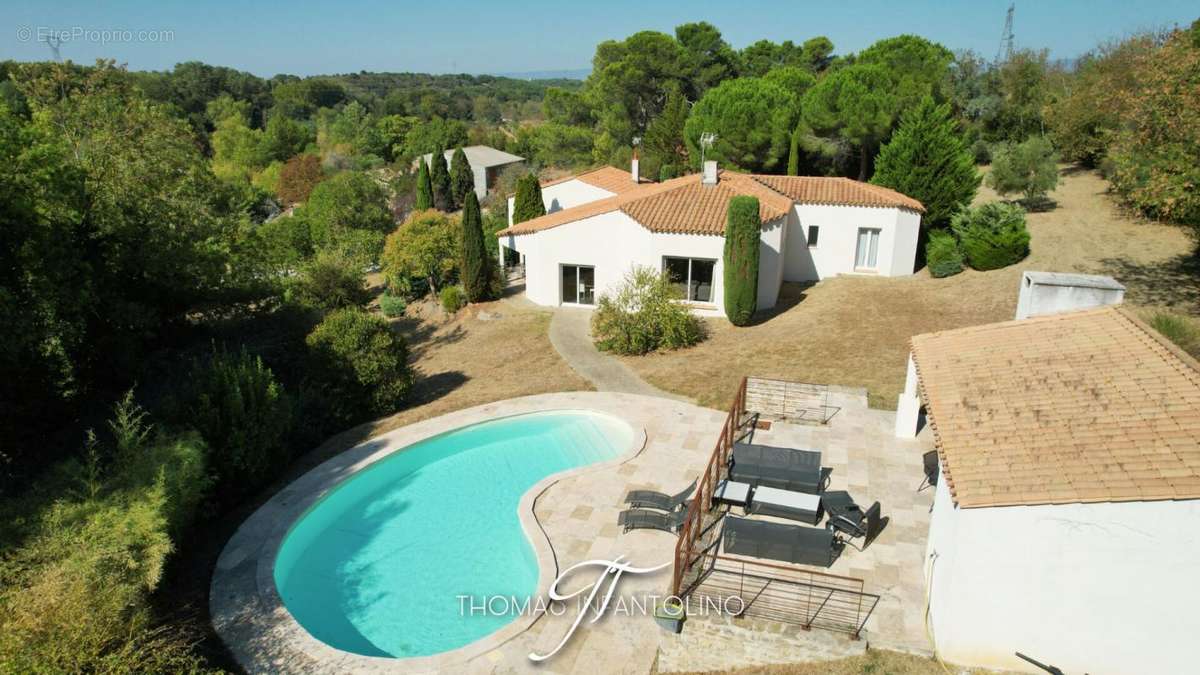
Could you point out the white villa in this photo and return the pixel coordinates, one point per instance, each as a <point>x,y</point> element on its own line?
<point>1066,513</point>
<point>600,224</point>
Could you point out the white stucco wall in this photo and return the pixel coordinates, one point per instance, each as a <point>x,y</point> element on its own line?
<point>838,240</point>
<point>566,195</point>
<point>613,243</point>
<point>1097,588</point>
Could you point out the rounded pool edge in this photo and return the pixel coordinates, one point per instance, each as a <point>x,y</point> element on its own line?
<point>246,609</point>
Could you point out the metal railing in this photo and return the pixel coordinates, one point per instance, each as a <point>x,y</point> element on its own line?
<point>698,532</point>
<point>790,401</point>
<point>808,598</point>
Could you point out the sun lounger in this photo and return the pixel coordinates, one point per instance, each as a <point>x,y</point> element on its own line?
<point>801,506</point>
<point>782,468</point>
<point>653,499</point>
<point>643,519</point>
<point>797,544</point>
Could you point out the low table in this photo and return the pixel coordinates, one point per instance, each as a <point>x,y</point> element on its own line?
<point>732,492</point>
<point>801,506</point>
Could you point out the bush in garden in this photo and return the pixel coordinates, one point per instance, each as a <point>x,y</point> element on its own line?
<point>528,204</point>
<point>942,255</point>
<point>644,314</point>
<point>453,298</point>
<point>392,305</point>
<point>1029,168</point>
<point>359,366</point>
<point>244,416</point>
<point>424,199</point>
<point>1181,330</point>
<point>88,549</point>
<point>439,177</point>
<point>742,232</point>
<point>462,179</point>
<point>992,235</point>
<point>477,269</point>
<point>424,247</point>
<point>330,281</point>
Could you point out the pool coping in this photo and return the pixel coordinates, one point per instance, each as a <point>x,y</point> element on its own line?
<point>246,564</point>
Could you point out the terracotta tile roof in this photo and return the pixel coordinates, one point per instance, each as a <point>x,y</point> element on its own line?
<point>1090,406</point>
<point>695,208</point>
<point>608,178</point>
<point>684,205</point>
<point>840,191</point>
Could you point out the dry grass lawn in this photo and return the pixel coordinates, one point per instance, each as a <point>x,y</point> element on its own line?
<point>854,331</point>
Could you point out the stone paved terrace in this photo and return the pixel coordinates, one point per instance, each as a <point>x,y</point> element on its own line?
<point>578,513</point>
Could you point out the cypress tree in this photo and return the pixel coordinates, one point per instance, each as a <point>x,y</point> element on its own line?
<point>462,180</point>
<point>475,271</point>
<point>439,176</point>
<point>742,233</point>
<point>528,204</point>
<point>929,160</point>
<point>424,188</point>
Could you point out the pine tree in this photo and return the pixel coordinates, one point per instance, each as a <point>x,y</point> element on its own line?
<point>742,232</point>
<point>528,203</point>
<point>424,188</point>
<point>475,270</point>
<point>439,176</point>
<point>928,160</point>
<point>793,168</point>
<point>462,180</point>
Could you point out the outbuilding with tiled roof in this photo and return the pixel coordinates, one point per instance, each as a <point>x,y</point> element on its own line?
<point>1066,513</point>
<point>601,224</point>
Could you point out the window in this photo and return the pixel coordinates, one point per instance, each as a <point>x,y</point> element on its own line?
<point>814,231</point>
<point>579,285</point>
<point>866,258</point>
<point>692,276</point>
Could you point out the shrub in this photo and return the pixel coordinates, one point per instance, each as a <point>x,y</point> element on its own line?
<point>392,305</point>
<point>742,232</point>
<point>298,177</point>
<point>643,315</point>
<point>1184,332</point>
<point>942,254</point>
<point>75,592</point>
<point>424,198</point>
<point>439,178</point>
<point>244,416</point>
<point>453,298</point>
<point>286,242</point>
<point>528,204</point>
<point>992,235</point>
<point>982,152</point>
<point>1029,168</point>
<point>928,160</point>
<point>359,367</point>
<point>330,281</point>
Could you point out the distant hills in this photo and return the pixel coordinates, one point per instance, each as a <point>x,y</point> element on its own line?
<point>571,74</point>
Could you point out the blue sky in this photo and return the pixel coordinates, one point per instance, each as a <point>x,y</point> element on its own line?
<point>527,35</point>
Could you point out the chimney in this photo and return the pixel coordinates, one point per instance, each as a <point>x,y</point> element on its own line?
<point>709,177</point>
<point>633,166</point>
<point>1052,293</point>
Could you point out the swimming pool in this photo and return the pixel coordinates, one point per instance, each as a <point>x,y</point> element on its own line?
<point>378,566</point>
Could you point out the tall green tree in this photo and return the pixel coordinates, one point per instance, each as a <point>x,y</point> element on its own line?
<point>753,119</point>
<point>709,58</point>
<point>476,268</point>
<point>664,150</point>
<point>528,204</point>
<point>424,188</point>
<point>439,177</point>
<point>462,179</point>
<point>348,206</point>
<point>916,66</point>
<point>743,229</point>
<point>928,160</point>
<point>1029,168</point>
<point>855,102</point>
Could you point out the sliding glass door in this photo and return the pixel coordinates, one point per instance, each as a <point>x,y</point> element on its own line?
<point>578,285</point>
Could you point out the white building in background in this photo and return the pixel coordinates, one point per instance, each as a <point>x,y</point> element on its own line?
<point>1066,517</point>
<point>813,228</point>
<point>486,164</point>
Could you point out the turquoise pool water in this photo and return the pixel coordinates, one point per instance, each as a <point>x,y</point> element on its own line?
<point>378,565</point>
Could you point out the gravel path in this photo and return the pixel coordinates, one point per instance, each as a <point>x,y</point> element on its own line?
<point>570,335</point>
